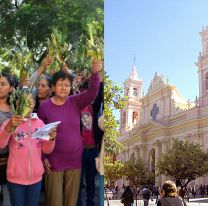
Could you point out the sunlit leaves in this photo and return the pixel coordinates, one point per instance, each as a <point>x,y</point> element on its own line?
<point>137,173</point>
<point>113,171</point>
<point>184,162</point>
<point>113,101</point>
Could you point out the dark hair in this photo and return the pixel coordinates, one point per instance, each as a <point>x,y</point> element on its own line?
<point>62,75</point>
<point>48,79</point>
<point>11,80</point>
<point>85,85</point>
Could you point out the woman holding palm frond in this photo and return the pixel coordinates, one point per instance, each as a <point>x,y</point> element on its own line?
<point>63,165</point>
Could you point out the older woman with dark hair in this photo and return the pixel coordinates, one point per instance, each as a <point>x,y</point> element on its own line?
<point>63,165</point>
<point>169,196</point>
<point>44,90</point>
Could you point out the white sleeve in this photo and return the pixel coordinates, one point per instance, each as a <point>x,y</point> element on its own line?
<point>33,76</point>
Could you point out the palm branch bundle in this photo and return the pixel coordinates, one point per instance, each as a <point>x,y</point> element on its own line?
<point>21,101</point>
<point>23,62</point>
<point>95,45</point>
<point>20,62</point>
<point>58,49</point>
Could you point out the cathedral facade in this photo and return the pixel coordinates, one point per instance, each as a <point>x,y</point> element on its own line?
<point>149,123</point>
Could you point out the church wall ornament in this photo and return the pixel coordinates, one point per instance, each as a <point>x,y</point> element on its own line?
<point>154,111</point>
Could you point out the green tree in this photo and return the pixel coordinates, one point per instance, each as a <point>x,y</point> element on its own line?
<point>113,101</point>
<point>35,19</point>
<point>137,173</point>
<point>113,171</point>
<point>184,162</point>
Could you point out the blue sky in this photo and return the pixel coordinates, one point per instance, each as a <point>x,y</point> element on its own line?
<point>162,34</point>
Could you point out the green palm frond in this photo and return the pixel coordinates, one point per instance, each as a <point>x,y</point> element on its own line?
<point>95,45</point>
<point>58,49</point>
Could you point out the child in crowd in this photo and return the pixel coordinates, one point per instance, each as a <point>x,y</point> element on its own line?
<point>25,168</point>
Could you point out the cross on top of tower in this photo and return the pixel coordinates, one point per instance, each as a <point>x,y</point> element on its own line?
<point>134,73</point>
<point>134,60</point>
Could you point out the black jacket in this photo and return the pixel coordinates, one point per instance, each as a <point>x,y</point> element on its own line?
<point>170,201</point>
<point>97,106</point>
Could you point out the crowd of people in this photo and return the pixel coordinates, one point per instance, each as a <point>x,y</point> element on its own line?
<point>166,195</point>
<point>68,156</point>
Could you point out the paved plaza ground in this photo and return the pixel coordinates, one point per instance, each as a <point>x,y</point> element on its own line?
<point>193,202</point>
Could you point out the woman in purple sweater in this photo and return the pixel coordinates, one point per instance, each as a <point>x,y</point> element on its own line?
<point>63,165</point>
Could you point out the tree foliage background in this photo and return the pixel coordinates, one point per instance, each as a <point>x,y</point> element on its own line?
<point>113,171</point>
<point>184,162</point>
<point>33,21</point>
<point>137,172</point>
<point>113,101</point>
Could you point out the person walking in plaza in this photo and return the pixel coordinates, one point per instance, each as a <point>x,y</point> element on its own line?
<point>127,198</point>
<point>169,195</point>
<point>202,190</point>
<point>193,191</point>
<point>25,167</point>
<point>157,194</point>
<point>146,195</point>
<point>63,165</point>
<point>160,195</point>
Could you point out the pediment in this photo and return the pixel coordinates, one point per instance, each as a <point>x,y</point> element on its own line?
<point>150,126</point>
<point>157,83</point>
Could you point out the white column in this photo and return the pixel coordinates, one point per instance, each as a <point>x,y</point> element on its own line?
<point>136,152</point>
<point>157,151</point>
<point>129,117</point>
<point>165,145</point>
<point>157,155</point>
<point>200,83</point>
<point>142,153</point>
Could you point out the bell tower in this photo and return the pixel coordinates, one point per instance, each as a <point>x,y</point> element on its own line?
<point>130,115</point>
<point>202,65</point>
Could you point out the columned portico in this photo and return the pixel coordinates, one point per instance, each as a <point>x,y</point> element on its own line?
<point>136,152</point>
<point>142,149</point>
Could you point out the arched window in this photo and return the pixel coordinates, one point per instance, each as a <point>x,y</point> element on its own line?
<point>124,118</point>
<point>135,92</point>
<point>132,158</point>
<point>127,91</point>
<point>206,81</point>
<point>135,117</point>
